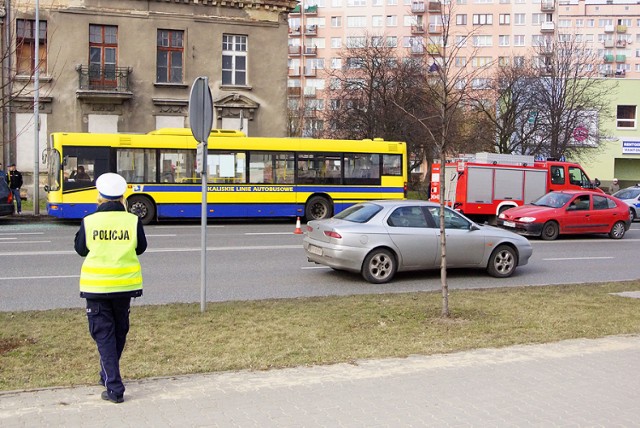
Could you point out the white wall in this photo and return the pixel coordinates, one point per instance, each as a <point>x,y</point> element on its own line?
<point>103,123</point>
<point>25,142</point>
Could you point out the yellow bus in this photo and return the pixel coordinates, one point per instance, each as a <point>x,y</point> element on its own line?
<point>247,177</point>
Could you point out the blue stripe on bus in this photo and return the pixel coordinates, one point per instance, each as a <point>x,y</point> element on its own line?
<point>231,210</point>
<point>230,188</point>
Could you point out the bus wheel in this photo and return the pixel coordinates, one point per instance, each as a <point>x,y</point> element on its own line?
<point>317,208</point>
<point>143,208</point>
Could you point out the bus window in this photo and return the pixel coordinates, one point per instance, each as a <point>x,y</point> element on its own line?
<point>391,165</point>
<point>178,166</point>
<point>270,168</point>
<point>226,167</point>
<point>319,168</point>
<point>137,165</point>
<point>361,168</point>
<point>82,165</point>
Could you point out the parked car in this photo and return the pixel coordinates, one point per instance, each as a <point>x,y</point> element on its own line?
<point>380,238</point>
<point>6,199</point>
<point>568,212</point>
<point>630,195</point>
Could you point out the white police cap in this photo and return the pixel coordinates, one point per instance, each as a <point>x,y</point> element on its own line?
<point>111,186</point>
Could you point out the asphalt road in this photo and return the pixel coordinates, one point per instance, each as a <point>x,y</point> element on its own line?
<point>248,261</point>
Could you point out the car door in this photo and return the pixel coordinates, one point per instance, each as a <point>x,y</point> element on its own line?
<point>465,247</point>
<point>412,235</point>
<point>603,215</point>
<point>576,216</point>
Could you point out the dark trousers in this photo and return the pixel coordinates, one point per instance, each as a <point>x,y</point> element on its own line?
<point>108,326</point>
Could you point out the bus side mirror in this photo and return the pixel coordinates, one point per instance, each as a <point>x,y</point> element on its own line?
<point>46,187</point>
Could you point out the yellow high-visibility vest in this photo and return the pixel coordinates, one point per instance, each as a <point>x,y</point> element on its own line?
<point>112,265</point>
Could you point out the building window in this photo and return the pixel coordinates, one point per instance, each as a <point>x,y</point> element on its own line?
<point>234,59</point>
<point>519,18</point>
<point>103,55</point>
<point>482,41</point>
<point>518,40</point>
<point>336,21</point>
<point>25,46</point>
<point>505,19</point>
<point>626,117</point>
<point>461,19</point>
<point>503,40</point>
<point>483,19</point>
<point>356,21</point>
<point>169,57</point>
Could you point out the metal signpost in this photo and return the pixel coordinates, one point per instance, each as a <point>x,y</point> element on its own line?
<point>201,120</point>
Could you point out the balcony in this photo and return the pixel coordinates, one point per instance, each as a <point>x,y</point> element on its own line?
<point>310,71</point>
<point>547,27</point>
<point>308,10</point>
<point>608,28</point>
<point>621,29</point>
<point>294,91</point>
<point>621,43</point>
<point>608,58</point>
<point>621,58</point>
<point>309,91</point>
<point>294,31</point>
<point>417,7</point>
<point>608,43</point>
<point>311,30</point>
<point>104,82</point>
<point>310,51</point>
<point>294,50</point>
<point>417,50</point>
<point>547,6</point>
<point>417,29</point>
<point>433,49</point>
<point>435,6</point>
<point>435,29</point>
<point>294,71</point>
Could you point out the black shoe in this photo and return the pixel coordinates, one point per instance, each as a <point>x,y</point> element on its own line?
<point>105,396</point>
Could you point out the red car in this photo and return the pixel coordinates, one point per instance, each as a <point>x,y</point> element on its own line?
<point>568,212</point>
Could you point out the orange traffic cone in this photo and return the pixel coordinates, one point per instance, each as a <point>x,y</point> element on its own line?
<point>298,231</point>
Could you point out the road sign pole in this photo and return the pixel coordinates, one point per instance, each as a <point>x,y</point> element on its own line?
<point>201,120</point>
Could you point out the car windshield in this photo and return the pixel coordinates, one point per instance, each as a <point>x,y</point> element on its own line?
<point>553,200</point>
<point>360,213</point>
<point>627,193</point>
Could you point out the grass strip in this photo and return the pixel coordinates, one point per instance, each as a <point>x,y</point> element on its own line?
<point>53,348</point>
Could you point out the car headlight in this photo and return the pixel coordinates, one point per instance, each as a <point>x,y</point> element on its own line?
<point>527,219</point>
<point>502,216</point>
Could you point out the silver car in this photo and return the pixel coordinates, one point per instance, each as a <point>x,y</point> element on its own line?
<point>630,195</point>
<point>380,238</point>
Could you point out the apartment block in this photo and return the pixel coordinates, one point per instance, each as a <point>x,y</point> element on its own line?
<point>496,32</point>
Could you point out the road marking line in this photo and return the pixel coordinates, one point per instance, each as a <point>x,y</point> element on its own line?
<point>315,267</point>
<point>269,233</point>
<point>556,259</point>
<point>7,239</point>
<point>40,277</point>
<point>22,233</point>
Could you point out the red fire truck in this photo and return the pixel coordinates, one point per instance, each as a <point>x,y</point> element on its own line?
<point>483,185</point>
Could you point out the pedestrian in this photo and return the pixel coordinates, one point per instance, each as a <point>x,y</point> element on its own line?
<point>14,178</point>
<point>111,239</point>
<point>614,186</point>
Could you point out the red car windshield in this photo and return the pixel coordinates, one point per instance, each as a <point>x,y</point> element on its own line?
<point>553,200</point>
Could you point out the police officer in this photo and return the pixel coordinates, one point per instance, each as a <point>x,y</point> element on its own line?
<point>111,240</point>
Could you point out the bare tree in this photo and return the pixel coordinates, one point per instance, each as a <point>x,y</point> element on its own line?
<point>570,98</point>
<point>448,85</point>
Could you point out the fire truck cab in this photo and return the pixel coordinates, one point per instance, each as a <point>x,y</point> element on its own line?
<point>483,185</point>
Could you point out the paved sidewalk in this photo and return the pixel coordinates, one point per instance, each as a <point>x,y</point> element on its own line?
<point>577,383</point>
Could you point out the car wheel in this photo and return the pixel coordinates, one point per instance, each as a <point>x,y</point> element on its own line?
<point>317,208</point>
<point>550,231</point>
<point>143,208</point>
<point>379,266</point>
<point>503,262</point>
<point>617,231</point>
<point>632,214</point>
